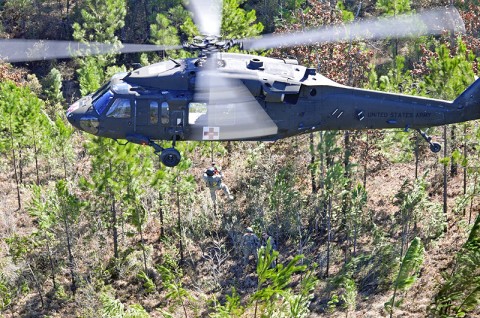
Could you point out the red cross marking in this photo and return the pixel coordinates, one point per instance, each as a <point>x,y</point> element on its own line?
<point>211,133</point>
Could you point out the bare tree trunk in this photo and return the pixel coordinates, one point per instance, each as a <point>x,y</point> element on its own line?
<point>37,285</point>
<point>147,16</point>
<point>64,159</point>
<point>162,228</point>
<point>36,159</point>
<point>329,234</point>
<point>453,145</point>
<point>71,260</point>
<point>114,228</point>
<point>229,147</point>
<point>15,168</point>
<point>211,151</point>
<point>445,228</point>
<point>471,201</point>
<point>416,155</point>
<point>140,230</point>
<point>113,210</point>
<point>52,267</point>
<point>312,163</point>
<point>404,238</point>
<point>20,165</point>
<point>322,185</point>
<point>179,224</point>
<point>465,154</point>
<point>67,18</point>
<point>365,162</point>
<point>355,234</point>
<point>348,187</point>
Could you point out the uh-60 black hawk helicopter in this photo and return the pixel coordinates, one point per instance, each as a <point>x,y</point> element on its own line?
<point>231,96</point>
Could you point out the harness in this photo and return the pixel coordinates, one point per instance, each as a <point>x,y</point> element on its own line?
<point>214,182</point>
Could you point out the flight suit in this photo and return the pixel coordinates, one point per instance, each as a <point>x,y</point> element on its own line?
<point>250,245</point>
<point>215,183</point>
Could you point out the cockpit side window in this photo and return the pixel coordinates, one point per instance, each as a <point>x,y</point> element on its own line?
<point>120,108</point>
<point>101,102</point>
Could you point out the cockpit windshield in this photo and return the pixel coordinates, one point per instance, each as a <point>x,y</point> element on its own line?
<point>101,91</point>
<point>101,102</point>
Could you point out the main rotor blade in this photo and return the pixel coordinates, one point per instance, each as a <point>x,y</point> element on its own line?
<point>431,22</point>
<point>232,112</point>
<point>207,15</point>
<point>23,50</point>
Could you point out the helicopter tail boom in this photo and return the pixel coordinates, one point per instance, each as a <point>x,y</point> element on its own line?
<point>469,102</point>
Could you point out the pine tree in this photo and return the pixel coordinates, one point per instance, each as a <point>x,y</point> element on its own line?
<point>100,21</point>
<point>176,293</point>
<point>407,273</point>
<point>460,293</point>
<point>41,208</point>
<point>274,296</point>
<point>52,89</point>
<point>67,209</point>
<point>163,33</point>
<point>62,134</point>
<point>20,111</point>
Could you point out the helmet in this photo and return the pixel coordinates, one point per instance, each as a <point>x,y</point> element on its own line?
<point>210,171</point>
<point>249,230</point>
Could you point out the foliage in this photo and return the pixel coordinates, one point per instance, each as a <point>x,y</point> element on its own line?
<point>398,144</point>
<point>52,86</point>
<point>52,92</point>
<point>113,308</point>
<point>411,199</point>
<point>238,23</point>
<point>6,293</point>
<point>283,198</point>
<point>460,293</point>
<point>347,16</point>
<point>393,7</point>
<point>449,71</point>
<point>231,308</point>
<point>410,265</point>
<point>148,284</point>
<point>273,286</point>
<point>97,222</point>
<point>19,111</point>
<point>163,33</point>
<point>89,77</point>
<point>345,63</point>
<point>408,272</point>
<point>100,21</point>
<point>176,293</point>
<point>24,126</point>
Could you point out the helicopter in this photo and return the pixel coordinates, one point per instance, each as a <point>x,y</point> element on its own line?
<point>220,96</point>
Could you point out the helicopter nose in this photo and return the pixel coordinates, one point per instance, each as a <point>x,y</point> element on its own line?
<point>80,117</point>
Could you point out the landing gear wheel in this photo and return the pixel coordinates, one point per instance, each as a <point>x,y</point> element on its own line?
<point>170,157</point>
<point>435,147</point>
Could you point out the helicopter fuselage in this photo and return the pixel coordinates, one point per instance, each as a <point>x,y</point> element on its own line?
<point>165,101</point>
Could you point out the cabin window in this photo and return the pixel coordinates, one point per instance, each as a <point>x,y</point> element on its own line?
<point>197,114</point>
<point>153,112</point>
<point>165,113</point>
<point>120,108</point>
<point>100,103</point>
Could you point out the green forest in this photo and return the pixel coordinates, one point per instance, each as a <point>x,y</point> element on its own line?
<point>367,223</point>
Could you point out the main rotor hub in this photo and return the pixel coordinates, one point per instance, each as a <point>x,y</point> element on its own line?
<point>210,43</point>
